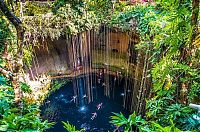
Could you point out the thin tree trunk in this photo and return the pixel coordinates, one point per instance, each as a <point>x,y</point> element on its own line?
<point>194,24</point>
<point>18,59</point>
<point>195,12</point>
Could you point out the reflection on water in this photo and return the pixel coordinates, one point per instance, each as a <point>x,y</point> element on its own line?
<point>93,117</point>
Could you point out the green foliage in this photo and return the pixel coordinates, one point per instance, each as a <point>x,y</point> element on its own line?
<point>13,118</point>
<point>27,122</point>
<point>174,34</point>
<point>143,126</point>
<point>141,15</point>
<point>3,80</point>
<point>120,120</point>
<point>161,111</point>
<point>166,28</point>
<point>155,107</point>
<point>56,84</point>
<point>158,128</point>
<point>5,32</point>
<point>69,17</point>
<point>6,36</point>
<point>70,128</point>
<point>61,3</point>
<point>34,8</point>
<point>190,123</point>
<point>102,9</point>
<point>28,55</point>
<point>25,88</point>
<point>194,91</point>
<point>177,110</point>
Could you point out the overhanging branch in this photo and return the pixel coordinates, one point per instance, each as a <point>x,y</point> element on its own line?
<point>14,20</point>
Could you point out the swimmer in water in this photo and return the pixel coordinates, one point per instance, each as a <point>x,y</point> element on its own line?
<point>122,94</point>
<point>84,96</point>
<point>99,106</point>
<point>94,115</point>
<point>100,74</point>
<point>48,101</point>
<point>74,98</point>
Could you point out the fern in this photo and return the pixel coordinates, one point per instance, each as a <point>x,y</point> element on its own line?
<point>70,128</point>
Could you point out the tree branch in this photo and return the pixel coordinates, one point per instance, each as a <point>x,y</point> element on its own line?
<point>18,58</point>
<point>11,17</point>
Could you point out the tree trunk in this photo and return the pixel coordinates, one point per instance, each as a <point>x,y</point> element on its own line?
<point>18,58</point>
<point>195,12</point>
<point>186,55</point>
<point>194,24</point>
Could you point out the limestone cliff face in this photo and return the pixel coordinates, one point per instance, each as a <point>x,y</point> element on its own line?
<point>114,41</point>
<point>66,54</point>
<point>61,56</point>
<point>51,57</point>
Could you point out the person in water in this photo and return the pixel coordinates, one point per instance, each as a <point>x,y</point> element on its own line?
<point>100,76</point>
<point>84,96</point>
<point>94,115</point>
<point>74,98</point>
<point>99,106</point>
<point>99,80</point>
<point>48,102</point>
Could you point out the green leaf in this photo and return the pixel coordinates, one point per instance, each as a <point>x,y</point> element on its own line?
<point>3,128</point>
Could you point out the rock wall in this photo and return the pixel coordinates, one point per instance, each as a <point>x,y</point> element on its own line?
<point>114,41</point>
<point>65,54</point>
<point>50,56</point>
<point>61,56</point>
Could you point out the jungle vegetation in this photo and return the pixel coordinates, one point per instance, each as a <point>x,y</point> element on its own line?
<point>169,34</point>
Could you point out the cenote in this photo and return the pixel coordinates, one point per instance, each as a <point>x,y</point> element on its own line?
<point>101,77</point>
<point>99,65</point>
<point>86,110</point>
